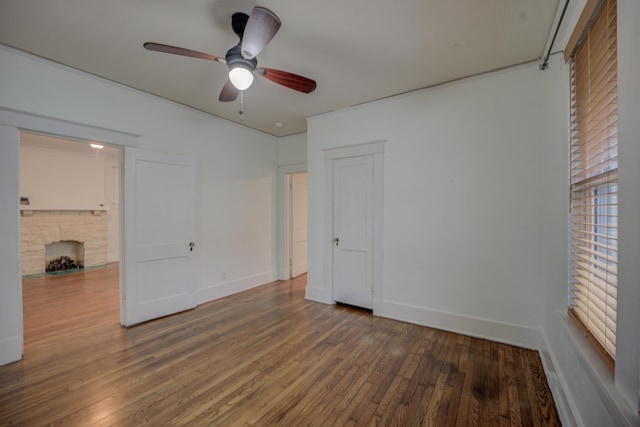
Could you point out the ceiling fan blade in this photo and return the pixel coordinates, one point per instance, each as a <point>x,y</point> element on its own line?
<point>165,48</point>
<point>290,80</point>
<point>228,92</point>
<point>260,29</point>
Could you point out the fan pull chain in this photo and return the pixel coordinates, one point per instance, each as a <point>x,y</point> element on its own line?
<point>241,112</point>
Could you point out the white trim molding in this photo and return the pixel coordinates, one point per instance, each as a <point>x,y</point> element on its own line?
<point>10,350</point>
<point>598,374</point>
<point>231,287</point>
<point>65,129</point>
<point>316,294</point>
<point>560,398</point>
<point>506,333</point>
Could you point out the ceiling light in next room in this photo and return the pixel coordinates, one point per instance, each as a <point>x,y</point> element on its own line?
<point>97,146</point>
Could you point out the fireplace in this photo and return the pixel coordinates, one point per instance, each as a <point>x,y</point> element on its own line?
<point>47,234</point>
<point>63,256</point>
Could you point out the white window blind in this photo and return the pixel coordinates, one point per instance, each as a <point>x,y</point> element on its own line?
<point>594,180</point>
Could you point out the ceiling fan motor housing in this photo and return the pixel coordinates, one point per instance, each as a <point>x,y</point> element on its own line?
<point>235,59</point>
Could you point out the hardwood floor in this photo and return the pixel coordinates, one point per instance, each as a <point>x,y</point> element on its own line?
<point>261,357</point>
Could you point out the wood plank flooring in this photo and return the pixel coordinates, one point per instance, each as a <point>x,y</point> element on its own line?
<point>262,357</point>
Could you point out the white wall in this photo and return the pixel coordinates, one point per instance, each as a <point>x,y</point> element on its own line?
<point>463,233</point>
<point>236,166</point>
<point>292,149</point>
<point>55,177</point>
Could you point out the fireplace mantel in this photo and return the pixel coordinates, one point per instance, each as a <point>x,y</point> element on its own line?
<point>26,208</point>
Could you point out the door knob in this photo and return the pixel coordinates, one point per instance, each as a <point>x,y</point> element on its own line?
<point>191,245</point>
<point>336,241</point>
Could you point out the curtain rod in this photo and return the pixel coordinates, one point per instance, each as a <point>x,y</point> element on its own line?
<point>545,61</point>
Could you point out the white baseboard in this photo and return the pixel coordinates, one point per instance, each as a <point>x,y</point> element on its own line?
<point>10,350</point>
<point>113,257</point>
<point>476,327</point>
<point>556,385</point>
<point>322,295</point>
<point>231,287</point>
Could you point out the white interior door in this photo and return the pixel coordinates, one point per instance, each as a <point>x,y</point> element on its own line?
<point>353,231</point>
<point>159,216</point>
<point>298,224</point>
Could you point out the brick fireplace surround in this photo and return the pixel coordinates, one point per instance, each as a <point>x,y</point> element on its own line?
<point>42,227</point>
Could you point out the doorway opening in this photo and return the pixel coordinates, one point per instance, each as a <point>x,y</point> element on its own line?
<point>292,220</point>
<point>69,220</point>
<point>13,123</point>
<point>297,224</point>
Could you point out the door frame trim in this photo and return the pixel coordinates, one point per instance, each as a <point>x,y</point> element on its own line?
<point>65,129</point>
<point>53,126</point>
<point>376,149</point>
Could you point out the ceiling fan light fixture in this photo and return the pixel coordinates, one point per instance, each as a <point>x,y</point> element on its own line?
<point>241,76</point>
<point>240,69</point>
<point>255,32</point>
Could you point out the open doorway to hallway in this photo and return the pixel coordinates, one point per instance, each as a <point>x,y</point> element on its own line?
<point>297,224</point>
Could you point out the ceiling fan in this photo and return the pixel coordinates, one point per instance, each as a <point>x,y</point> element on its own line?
<point>255,32</point>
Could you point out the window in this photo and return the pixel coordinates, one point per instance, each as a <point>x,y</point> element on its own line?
<point>594,182</point>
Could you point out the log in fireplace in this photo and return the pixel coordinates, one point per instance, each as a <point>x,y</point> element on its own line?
<point>63,263</point>
<point>64,256</point>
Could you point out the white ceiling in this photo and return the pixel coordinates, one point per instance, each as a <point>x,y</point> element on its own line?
<point>40,141</point>
<point>356,50</point>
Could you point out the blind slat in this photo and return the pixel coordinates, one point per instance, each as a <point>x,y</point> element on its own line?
<point>598,244</point>
<point>612,267</point>
<point>590,268</point>
<point>613,259</point>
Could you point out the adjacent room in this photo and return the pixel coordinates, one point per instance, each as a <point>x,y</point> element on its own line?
<point>424,213</point>
<point>63,178</point>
